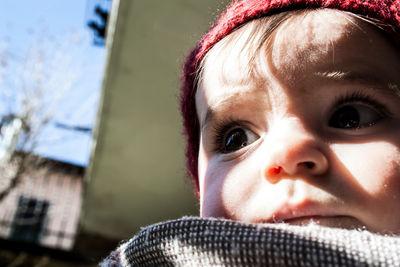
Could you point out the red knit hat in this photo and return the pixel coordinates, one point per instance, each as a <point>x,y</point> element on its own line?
<point>240,12</point>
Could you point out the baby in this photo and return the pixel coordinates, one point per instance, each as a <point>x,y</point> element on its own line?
<point>294,116</point>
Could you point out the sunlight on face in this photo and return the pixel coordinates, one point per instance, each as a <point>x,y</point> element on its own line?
<point>312,135</point>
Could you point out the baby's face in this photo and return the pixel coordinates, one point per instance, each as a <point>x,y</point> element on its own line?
<point>314,137</point>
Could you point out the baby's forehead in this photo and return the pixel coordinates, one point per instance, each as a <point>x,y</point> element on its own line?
<point>307,37</point>
<point>330,41</point>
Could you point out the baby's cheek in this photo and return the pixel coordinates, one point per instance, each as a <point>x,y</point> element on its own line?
<point>216,188</point>
<point>228,189</point>
<point>389,182</point>
<point>382,174</point>
<point>375,165</point>
<point>237,191</point>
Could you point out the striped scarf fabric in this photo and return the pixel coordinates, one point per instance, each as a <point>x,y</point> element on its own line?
<point>193,241</point>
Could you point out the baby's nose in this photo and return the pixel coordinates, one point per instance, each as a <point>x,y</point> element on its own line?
<point>293,151</point>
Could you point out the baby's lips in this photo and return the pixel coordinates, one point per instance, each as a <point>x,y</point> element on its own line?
<point>304,210</point>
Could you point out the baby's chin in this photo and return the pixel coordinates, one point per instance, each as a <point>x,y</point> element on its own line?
<point>343,222</point>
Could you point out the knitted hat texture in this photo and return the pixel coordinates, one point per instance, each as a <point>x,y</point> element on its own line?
<point>240,12</point>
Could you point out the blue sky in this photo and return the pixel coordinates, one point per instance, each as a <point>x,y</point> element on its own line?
<point>51,26</point>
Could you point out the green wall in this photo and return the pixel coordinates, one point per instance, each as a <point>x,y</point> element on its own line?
<point>137,172</point>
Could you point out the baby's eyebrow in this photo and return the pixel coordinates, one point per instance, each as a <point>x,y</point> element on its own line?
<point>367,77</point>
<point>226,103</point>
<point>346,75</point>
<point>363,77</point>
<point>210,114</point>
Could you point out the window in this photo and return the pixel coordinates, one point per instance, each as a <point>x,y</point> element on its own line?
<point>29,220</point>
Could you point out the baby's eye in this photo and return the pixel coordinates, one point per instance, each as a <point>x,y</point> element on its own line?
<point>354,116</point>
<point>237,139</point>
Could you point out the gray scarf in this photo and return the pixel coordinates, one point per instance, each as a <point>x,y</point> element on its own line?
<point>192,241</point>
